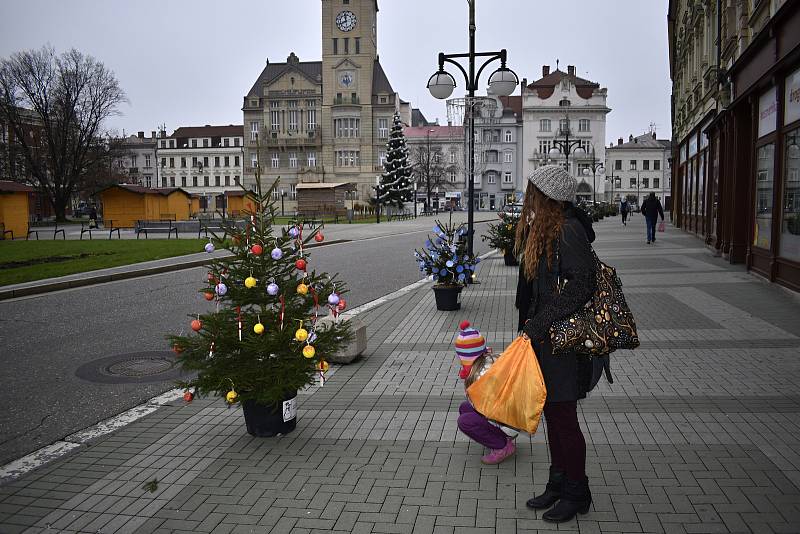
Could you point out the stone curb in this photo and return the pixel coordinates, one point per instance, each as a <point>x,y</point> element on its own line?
<point>47,287</point>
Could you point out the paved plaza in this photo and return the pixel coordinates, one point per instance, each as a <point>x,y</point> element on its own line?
<point>699,432</point>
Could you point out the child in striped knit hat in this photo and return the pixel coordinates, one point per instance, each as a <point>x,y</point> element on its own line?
<point>476,359</point>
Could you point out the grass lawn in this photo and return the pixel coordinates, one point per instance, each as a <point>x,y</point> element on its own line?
<point>23,261</point>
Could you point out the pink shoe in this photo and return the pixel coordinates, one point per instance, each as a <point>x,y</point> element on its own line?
<point>496,456</point>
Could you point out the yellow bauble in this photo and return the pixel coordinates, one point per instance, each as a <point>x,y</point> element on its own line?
<point>323,366</point>
<point>301,334</point>
<point>250,282</point>
<point>231,397</point>
<point>309,351</point>
<point>302,289</point>
<point>258,328</point>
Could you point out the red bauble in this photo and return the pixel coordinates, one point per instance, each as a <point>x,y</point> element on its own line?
<point>319,238</point>
<point>342,305</point>
<point>188,396</point>
<point>197,325</point>
<point>177,349</point>
<point>256,249</point>
<point>300,264</point>
<point>211,277</point>
<point>208,295</point>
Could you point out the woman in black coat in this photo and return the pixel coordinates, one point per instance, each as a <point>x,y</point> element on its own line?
<point>557,277</point>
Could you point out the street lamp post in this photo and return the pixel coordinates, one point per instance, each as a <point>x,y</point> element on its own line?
<point>283,196</point>
<point>503,81</point>
<point>378,199</point>
<point>566,145</point>
<point>415,200</point>
<point>638,182</point>
<point>596,166</point>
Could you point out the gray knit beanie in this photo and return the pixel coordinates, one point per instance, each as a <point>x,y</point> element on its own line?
<point>555,182</point>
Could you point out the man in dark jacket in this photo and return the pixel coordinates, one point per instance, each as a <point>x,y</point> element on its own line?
<point>651,209</point>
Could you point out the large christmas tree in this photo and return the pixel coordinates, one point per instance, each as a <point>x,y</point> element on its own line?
<point>395,185</point>
<point>264,338</point>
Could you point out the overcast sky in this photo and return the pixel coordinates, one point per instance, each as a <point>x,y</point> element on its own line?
<point>190,62</point>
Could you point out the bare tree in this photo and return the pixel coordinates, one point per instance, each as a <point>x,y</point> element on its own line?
<point>431,168</point>
<point>71,96</point>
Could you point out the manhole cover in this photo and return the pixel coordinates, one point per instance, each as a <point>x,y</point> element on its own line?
<point>136,367</point>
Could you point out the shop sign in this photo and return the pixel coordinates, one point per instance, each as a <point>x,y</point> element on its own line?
<point>791,112</point>
<point>767,112</point>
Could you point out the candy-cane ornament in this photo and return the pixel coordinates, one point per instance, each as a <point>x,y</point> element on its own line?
<point>239,320</point>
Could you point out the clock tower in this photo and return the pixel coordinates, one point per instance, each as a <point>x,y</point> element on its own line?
<point>349,65</point>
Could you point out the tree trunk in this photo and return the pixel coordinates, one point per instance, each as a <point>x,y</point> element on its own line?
<point>60,207</point>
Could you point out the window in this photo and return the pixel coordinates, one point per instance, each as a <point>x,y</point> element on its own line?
<point>293,160</point>
<point>236,161</point>
<point>254,160</point>
<point>346,127</point>
<point>491,178</point>
<point>163,162</point>
<point>226,142</point>
<point>491,156</point>
<point>347,158</point>
<point>544,146</point>
<point>617,164</point>
<point>452,157</point>
<point>790,218</point>
<point>205,143</point>
<point>183,181</point>
<point>508,136</point>
<point>633,182</point>
<point>172,181</point>
<point>645,183</point>
<point>765,160</point>
<point>236,180</point>
<point>216,161</point>
<point>293,114</point>
<point>645,164</point>
<point>227,161</point>
<point>194,161</point>
<point>508,156</point>
<point>194,143</point>
<point>276,160</point>
<point>217,181</point>
<point>205,161</point>
<point>563,125</point>
<point>633,165</point>
<point>147,160</point>
<point>312,159</point>
<point>293,191</point>
<point>183,163</point>
<point>235,141</point>
<point>507,178</point>
<point>583,125</point>
<point>312,118</point>
<point>194,181</point>
<point>544,125</point>
<point>161,144</point>
<point>358,45</point>
<point>335,45</point>
<point>227,180</point>
<point>583,169</point>
<point>383,128</point>
<point>655,183</point>
<point>206,181</point>
<point>274,116</point>
<point>172,162</point>
<point>253,130</point>
<point>172,143</point>
<point>381,157</point>
<point>452,177</point>
<point>148,180</point>
<point>346,45</point>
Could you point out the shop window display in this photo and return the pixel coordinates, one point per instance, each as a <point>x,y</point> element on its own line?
<point>762,233</point>
<point>790,223</point>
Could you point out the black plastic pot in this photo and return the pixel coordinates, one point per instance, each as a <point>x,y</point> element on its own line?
<point>510,259</point>
<point>266,421</point>
<point>447,297</point>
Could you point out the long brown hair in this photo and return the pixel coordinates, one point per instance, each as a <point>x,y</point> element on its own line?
<point>539,226</point>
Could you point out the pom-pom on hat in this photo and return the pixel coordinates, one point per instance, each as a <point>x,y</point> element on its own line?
<point>469,344</point>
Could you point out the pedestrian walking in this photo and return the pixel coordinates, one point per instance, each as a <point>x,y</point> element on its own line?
<point>93,217</point>
<point>651,209</point>
<point>556,278</point>
<point>624,209</point>
<point>476,359</point>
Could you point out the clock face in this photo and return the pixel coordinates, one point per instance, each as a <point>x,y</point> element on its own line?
<point>346,21</point>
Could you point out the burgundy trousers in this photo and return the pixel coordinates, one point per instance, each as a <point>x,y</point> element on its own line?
<point>479,429</point>
<point>567,445</point>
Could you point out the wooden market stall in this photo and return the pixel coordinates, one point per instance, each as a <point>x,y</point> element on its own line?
<point>125,204</point>
<point>238,202</point>
<point>14,209</point>
<point>320,199</point>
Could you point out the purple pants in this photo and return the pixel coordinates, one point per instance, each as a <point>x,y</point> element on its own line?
<point>479,429</point>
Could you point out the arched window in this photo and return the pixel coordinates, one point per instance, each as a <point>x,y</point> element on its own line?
<point>583,187</point>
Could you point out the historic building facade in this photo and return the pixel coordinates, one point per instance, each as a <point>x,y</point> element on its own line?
<point>735,68</point>
<point>139,163</point>
<point>637,167</point>
<point>324,121</point>
<point>205,161</point>
<point>554,105</point>
<point>436,154</point>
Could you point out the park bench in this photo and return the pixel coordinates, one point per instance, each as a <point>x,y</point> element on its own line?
<point>57,231</point>
<point>9,232</point>
<point>107,225</point>
<point>310,220</point>
<point>210,225</point>
<point>160,226</point>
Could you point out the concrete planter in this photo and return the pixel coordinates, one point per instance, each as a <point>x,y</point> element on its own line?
<point>356,347</point>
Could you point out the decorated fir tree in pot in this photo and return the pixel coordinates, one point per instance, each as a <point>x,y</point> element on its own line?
<point>263,341</point>
<point>501,236</point>
<point>395,187</point>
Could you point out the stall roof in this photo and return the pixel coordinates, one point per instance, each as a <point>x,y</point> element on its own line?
<point>323,185</point>
<point>8,187</point>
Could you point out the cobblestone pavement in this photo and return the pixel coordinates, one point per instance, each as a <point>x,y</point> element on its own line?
<point>699,432</point>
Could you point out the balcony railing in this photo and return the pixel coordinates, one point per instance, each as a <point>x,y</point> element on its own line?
<point>344,100</point>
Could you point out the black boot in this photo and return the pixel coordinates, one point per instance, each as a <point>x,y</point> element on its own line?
<point>552,491</point>
<point>575,499</point>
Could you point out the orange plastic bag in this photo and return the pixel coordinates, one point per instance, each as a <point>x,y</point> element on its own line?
<point>512,391</point>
